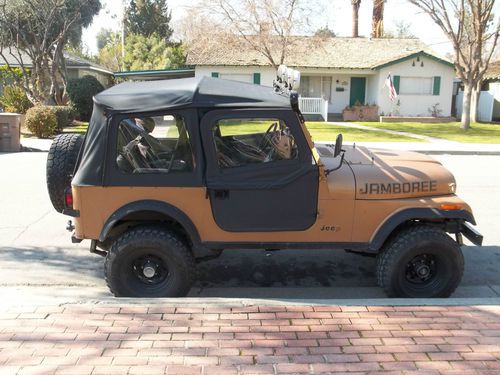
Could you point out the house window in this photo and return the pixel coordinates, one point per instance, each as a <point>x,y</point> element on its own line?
<point>316,87</point>
<point>248,78</point>
<point>416,85</point>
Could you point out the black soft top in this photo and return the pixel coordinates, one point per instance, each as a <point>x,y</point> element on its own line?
<point>201,92</point>
<point>157,96</point>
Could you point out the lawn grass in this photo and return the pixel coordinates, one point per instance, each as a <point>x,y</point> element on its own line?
<point>479,133</point>
<point>320,131</point>
<point>323,131</point>
<point>79,127</point>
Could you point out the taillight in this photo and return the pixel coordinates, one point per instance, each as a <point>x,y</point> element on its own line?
<point>68,198</point>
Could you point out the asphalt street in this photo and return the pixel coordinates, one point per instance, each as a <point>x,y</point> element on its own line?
<point>38,259</point>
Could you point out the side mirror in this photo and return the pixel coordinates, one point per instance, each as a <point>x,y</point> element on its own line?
<point>338,145</point>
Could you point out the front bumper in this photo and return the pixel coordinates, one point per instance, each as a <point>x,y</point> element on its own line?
<point>471,234</point>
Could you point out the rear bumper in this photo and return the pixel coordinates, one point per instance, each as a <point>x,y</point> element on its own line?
<point>471,234</point>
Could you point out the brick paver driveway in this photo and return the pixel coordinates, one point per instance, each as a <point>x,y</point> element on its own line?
<point>161,338</point>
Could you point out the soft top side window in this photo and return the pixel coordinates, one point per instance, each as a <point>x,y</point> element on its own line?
<point>154,144</point>
<point>244,141</point>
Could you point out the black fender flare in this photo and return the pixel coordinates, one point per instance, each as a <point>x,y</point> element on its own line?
<point>155,206</point>
<point>400,217</point>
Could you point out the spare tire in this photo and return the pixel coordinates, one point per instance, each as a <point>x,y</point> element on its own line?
<point>61,162</point>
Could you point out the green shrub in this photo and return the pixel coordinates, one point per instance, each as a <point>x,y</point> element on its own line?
<point>81,92</point>
<point>65,115</point>
<point>41,120</point>
<point>14,100</point>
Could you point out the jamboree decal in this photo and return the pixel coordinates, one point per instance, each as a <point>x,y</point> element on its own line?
<point>399,187</point>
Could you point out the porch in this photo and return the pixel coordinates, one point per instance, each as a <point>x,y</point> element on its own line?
<point>328,95</point>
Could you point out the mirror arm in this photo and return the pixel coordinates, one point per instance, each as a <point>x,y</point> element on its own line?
<point>328,171</point>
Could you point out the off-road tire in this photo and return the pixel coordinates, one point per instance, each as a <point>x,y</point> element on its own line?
<point>420,244</point>
<point>61,162</point>
<point>122,273</point>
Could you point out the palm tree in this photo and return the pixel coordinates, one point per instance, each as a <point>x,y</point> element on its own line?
<point>355,13</point>
<point>378,19</point>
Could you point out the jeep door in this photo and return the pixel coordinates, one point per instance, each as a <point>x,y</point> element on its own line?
<point>260,173</point>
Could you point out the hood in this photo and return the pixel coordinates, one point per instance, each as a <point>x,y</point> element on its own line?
<point>390,174</point>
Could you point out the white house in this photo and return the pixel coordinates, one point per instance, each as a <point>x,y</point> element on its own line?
<point>488,108</point>
<point>341,72</point>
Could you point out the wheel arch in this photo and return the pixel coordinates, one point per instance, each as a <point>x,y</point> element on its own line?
<point>149,211</point>
<point>425,215</point>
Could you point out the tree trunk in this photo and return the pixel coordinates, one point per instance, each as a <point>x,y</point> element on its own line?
<point>355,17</point>
<point>378,19</point>
<point>474,105</point>
<point>466,104</point>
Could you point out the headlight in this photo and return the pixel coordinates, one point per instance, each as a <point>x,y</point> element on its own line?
<point>452,186</point>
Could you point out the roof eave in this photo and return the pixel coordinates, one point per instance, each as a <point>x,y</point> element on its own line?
<point>411,56</point>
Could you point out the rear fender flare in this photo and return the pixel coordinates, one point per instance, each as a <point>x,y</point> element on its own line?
<point>154,206</point>
<point>401,217</point>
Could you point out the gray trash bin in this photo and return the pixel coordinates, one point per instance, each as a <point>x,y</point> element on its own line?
<point>10,132</point>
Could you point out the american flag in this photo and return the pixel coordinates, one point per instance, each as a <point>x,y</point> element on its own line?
<point>392,90</point>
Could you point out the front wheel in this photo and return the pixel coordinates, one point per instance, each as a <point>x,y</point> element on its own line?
<point>421,261</point>
<point>149,262</point>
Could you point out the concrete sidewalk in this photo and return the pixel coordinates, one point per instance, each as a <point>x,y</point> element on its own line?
<point>147,338</point>
<point>445,147</point>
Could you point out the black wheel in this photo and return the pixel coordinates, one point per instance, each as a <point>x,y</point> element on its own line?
<point>420,262</point>
<point>61,162</point>
<point>149,262</point>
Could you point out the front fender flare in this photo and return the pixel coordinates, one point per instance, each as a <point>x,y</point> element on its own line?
<point>155,206</point>
<point>400,217</point>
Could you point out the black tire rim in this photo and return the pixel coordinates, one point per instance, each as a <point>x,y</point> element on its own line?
<point>421,270</point>
<point>424,274</point>
<point>150,270</point>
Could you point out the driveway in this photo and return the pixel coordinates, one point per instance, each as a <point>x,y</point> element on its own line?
<point>37,258</point>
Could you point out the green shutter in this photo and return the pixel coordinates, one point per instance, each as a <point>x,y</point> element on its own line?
<point>256,78</point>
<point>437,86</point>
<point>215,74</point>
<point>395,82</point>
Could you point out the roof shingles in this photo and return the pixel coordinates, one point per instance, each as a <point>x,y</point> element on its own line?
<point>339,53</point>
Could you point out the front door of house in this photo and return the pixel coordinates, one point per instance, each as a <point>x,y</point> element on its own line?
<point>358,87</point>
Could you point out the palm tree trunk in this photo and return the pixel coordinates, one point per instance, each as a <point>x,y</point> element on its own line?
<point>355,17</point>
<point>378,19</point>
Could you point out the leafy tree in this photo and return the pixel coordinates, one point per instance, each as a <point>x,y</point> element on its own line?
<point>473,30</point>
<point>104,36</point>
<point>176,55</point>
<point>148,17</point>
<point>147,53</point>
<point>81,91</point>
<point>141,53</point>
<point>34,33</point>
<point>111,55</point>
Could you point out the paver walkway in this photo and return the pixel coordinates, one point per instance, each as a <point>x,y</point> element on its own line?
<point>212,339</point>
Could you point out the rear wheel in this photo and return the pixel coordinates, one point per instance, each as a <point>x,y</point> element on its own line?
<point>149,262</point>
<point>61,162</point>
<point>420,262</point>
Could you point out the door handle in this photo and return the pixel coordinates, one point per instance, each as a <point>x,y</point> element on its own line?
<point>221,194</point>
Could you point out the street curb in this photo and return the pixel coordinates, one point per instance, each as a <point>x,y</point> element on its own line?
<point>477,153</point>
<point>238,302</point>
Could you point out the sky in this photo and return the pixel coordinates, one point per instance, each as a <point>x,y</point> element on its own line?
<point>336,14</point>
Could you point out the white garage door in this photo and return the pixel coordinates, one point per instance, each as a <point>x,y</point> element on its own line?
<point>248,78</point>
